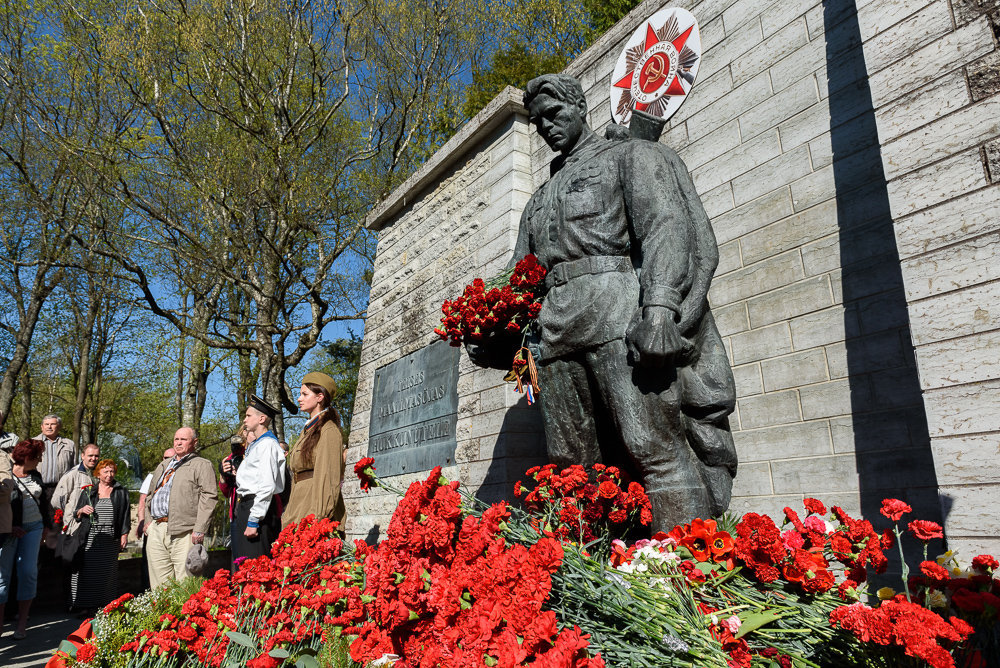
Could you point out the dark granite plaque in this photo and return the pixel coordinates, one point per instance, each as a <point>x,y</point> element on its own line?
<point>414,411</point>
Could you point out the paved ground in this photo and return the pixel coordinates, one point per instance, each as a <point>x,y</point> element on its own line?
<point>46,629</point>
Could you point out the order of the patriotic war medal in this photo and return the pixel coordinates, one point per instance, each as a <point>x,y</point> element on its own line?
<point>657,67</point>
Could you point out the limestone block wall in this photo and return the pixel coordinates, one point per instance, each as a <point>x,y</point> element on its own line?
<point>846,152</point>
<point>938,116</point>
<point>783,142</point>
<point>455,219</point>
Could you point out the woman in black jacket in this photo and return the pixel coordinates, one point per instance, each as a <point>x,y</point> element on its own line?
<point>32,518</point>
<point>105,511</point>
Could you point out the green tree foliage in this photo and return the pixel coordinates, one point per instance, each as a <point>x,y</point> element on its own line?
<point>514,65</point>
<point>602,15</point>
<point>537,37</point>
<point>258,137</point>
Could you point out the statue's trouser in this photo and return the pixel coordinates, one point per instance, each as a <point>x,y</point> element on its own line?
<point>644,406</point>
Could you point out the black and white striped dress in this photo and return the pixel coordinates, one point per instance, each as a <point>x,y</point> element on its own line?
<point>96,583</point>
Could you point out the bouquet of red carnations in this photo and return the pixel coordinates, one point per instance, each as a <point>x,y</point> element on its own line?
<point>506,303</point>
<point>579,507</point>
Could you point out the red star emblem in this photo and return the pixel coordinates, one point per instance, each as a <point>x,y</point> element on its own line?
<point>654,69</point>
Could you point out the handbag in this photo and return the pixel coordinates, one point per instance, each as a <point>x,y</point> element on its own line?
<point>74,535</point>
<point>69,544</point>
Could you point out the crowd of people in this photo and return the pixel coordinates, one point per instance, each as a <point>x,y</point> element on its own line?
<point>64,511</point>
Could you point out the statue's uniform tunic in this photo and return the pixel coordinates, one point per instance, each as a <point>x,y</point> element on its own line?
<point>620,226</point>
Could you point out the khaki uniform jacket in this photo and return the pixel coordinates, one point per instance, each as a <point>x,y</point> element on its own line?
<point>193,496</point>
<point>320,494</point>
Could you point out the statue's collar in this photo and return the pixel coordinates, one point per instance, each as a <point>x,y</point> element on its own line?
<point>583,148</point>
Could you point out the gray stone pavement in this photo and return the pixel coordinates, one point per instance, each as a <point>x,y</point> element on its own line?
<point>46,629</point>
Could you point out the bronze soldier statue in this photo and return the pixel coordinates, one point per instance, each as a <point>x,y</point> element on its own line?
<point>631,366</point>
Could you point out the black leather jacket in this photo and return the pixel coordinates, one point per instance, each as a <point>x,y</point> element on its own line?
<point>119,501</point>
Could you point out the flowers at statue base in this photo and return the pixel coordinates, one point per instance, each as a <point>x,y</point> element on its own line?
<point>448,589</point>
<point>506,303</point>
<point>457,583</point>
<point>580,506</point>
<point>277,606</point>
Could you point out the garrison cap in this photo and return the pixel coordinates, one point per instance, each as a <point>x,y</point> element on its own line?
<point>326,382</point>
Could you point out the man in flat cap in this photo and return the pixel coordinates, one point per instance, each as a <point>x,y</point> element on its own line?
<point>178,509</point>
<point>260,478</point>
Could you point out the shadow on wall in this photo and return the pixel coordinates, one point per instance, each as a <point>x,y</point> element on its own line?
<point>891,439</point>
<point>519,446</point>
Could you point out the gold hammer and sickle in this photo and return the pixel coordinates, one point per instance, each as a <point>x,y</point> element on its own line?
<point>657,68</point>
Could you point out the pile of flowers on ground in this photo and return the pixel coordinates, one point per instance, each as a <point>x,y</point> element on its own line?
<point>274,608</point>
<point>459,583</point>
<point>446,588</point>
<point>504,304</point>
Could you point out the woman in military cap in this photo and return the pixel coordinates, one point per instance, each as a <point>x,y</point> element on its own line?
<point>316,461</point>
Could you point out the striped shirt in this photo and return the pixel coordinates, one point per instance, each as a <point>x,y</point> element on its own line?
<point>159,505</point>
<point>49,466</point>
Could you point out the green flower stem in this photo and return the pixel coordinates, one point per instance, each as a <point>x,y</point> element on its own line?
<point>902,560</point>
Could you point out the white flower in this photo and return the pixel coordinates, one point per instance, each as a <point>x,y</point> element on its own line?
<point>675,645</point>
<point>614,577</point>
<point>385,660</point>
<point>937,599</point>
<point>650,553</point>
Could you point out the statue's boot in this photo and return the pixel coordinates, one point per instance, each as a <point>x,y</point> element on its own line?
<point>717,452</point>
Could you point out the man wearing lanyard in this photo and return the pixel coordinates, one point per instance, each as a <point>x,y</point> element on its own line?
<point>179,509</point>
<point>259,479</point>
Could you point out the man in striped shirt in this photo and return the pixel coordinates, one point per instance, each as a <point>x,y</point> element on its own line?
<point>58,457</point>
<point>176,521</point>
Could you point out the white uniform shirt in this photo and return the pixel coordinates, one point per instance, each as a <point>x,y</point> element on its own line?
<point>262,473</point>
<point>146,484</point>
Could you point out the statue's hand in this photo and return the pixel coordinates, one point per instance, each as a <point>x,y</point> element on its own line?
<point>653,337</point>
<point>478,354</point>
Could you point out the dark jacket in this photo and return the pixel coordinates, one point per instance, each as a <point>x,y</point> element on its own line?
<point>17,502</point>
<point>119,501</point>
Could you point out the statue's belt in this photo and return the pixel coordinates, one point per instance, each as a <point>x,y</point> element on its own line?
<point>564,272</point>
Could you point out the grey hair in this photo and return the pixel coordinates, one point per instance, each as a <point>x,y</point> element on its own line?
<point>561,87</point>
<point>53,416</point>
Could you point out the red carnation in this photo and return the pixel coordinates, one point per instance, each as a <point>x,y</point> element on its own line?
<point>968,601</point>
<point>894,509</point>
<point>365,470</point>
<point>86,653</point>
<point>985,563</point>
<point>814,506</point>
<point>925,529</point>
<point>934,571</point>
<point>118,603</point>
<point>758,544</point>
<point>607,490</point>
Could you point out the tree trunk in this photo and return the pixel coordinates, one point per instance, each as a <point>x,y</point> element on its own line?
<point>40,291</point>
<point>83,378</point>
<point>181,361</point>
<point>197,381</point>
<point>26,421</point>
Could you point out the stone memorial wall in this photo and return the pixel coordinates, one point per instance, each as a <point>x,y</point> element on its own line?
<point>847,154</point>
